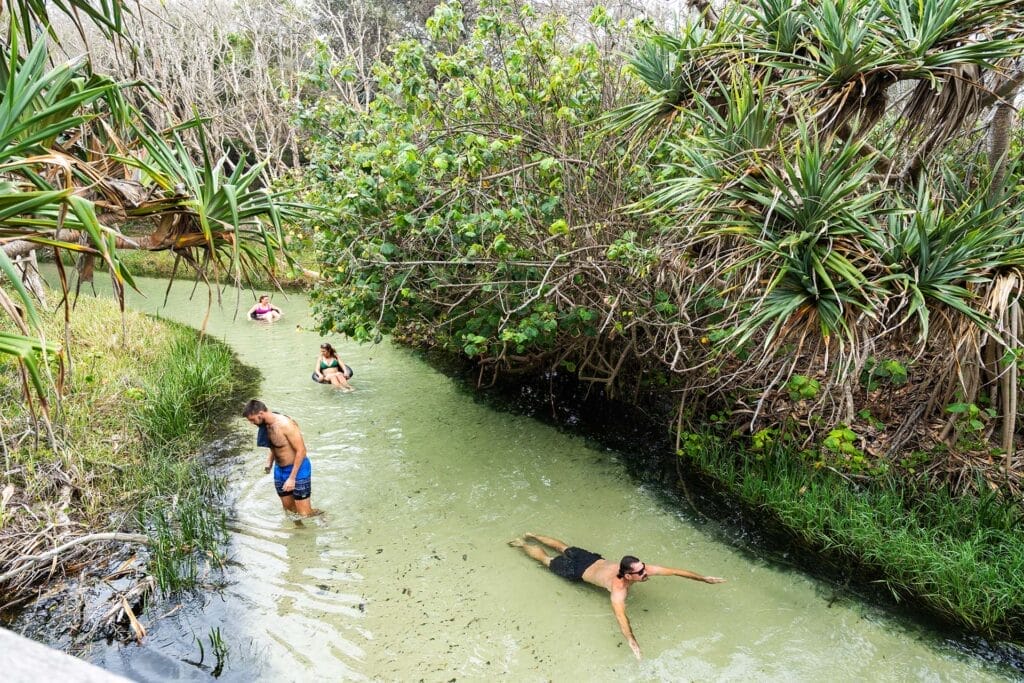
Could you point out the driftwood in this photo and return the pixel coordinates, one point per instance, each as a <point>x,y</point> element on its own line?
<point>28,561</point>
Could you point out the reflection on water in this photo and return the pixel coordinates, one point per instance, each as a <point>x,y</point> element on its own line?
<point>407,575</point>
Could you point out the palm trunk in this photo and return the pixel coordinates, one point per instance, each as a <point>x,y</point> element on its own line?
<point>1009,389</point>
<point>999,145</point>
<point>18,248</point>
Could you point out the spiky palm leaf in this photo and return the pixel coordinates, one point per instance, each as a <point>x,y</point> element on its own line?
<point>809,222</point>
<point>224,213</point>
<point>27,16</point>
<point>726,141</point>
<point>675,68</point>
<point>938,251</point>
<point>779,22</point>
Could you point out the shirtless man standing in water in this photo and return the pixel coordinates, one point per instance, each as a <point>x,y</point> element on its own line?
<point>577,564</point>
<point>292,469</point>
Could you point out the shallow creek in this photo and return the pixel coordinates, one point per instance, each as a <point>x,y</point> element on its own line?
<point>407,575</point>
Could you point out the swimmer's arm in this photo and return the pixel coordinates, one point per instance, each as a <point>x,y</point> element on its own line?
<point>316,369</point>
<point>655,570</point>
<point>270,462</point>
<point>619,608</point>
<point>294,438</point>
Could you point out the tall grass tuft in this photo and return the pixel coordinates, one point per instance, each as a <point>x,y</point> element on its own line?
<point>175,414</point>
<point>178,406</point>
<point>961,557</point>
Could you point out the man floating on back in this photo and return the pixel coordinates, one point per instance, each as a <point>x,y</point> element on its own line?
<point>577,564</point>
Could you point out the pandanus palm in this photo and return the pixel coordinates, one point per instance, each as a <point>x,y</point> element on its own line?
<point>826,169</point>
<point>37,193</point>
<point>76,160</point>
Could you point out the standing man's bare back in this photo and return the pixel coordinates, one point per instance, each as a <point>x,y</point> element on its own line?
<point>292,469</point>
<point>577,564</point>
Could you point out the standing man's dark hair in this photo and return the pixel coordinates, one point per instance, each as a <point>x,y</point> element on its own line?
<point>626,565</point>
<point>253,407</point>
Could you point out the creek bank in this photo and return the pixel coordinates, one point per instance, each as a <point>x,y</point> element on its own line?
<point>81,605</point>
<point>164,265</point>
<point>642,436</point>
<point>138,449</point>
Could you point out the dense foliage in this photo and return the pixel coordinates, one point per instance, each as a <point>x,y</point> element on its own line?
<point>809,218</point>
<point>473,204</point>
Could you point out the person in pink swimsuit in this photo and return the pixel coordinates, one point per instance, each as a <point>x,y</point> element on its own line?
<point>264,310</point>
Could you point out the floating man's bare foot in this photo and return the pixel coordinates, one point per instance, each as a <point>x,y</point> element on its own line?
<point>517,543</point>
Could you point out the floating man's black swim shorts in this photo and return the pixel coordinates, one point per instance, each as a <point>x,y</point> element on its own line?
<point>573,562</point>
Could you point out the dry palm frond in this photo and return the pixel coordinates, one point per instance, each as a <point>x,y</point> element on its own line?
<point>941,111</point>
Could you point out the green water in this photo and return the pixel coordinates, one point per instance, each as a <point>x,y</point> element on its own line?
<point>407,575</point>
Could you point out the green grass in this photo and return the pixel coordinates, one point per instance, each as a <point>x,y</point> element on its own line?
<point>160,264</point>
<point>174,414</point>
<point>176,408</point>
<point>960,557</point>
<point>141,400</point>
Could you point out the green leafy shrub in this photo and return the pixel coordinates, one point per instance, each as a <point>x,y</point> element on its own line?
<point>800,387</point>
<point>476,198</point>
<point>889,373</point>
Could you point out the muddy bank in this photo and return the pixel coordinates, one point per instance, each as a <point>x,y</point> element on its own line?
<point>85,602</point>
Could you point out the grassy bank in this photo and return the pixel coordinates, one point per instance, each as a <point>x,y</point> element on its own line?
<point>141,400</point>
<point>160,264</point>
<point>962,558</point>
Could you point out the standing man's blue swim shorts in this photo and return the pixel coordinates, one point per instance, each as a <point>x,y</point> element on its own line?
<point>303,487</point>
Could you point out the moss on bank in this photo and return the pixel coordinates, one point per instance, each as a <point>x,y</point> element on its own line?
<point>961,558</point>
<point>141,400</point>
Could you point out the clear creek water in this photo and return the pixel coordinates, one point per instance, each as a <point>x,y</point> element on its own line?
<point>407,575</point>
